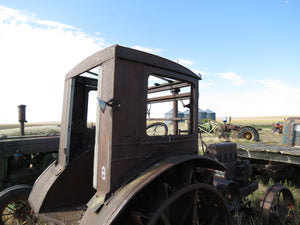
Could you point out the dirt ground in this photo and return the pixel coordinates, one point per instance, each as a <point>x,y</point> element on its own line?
<point>265,136</point>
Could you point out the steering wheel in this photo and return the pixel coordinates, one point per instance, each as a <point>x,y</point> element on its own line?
<point>157,129</point>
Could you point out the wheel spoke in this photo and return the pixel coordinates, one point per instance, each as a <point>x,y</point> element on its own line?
<point>6,214</point>
<point>195,208</point>
<point>136,217</point>
<point>12,209</point>
<point>168,189</point>
<point>186,204</point>
<point>15,211</point>
<point>186,212</point>
<point>165,219</point>
<point>214,220</point>
<point>7,219</point>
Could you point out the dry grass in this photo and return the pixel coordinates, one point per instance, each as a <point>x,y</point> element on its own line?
<point>32,130</point>
<point>257,120</point>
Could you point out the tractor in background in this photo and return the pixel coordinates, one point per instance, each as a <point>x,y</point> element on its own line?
<point>227,129</point>
<point>277,127</point>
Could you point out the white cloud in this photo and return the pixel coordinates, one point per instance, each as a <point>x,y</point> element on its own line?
<point>184,62</point>
<point>273,98</point>
<point>12,15</point>
<point>205,85</point>
<point>149,50</point>
<point>54,24</point>
<point>235,78</point>
<point>35,56</point>
<point>275,85</point>
<point>199,72</point>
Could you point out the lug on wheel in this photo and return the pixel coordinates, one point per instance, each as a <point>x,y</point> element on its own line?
<point>277,206</point>
<point>14,206</point>
<point>165,203</point>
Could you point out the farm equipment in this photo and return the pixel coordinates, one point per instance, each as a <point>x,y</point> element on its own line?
<point>209,127</point>
<point>245,132</point>
<point>277,127</point>
<point>227,129</point>
<point>119,173</point>
<point>22,160</point>
<point>291,132</point>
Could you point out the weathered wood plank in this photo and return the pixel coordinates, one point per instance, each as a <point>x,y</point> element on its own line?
<point>275,153</point>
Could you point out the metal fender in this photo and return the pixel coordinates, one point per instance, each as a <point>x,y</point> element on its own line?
<point>122,196</point>
<point>60,186</point>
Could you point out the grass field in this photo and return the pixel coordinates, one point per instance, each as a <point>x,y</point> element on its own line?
<point>17,125</point>
<point>265,120</point>
<point>30,129</point>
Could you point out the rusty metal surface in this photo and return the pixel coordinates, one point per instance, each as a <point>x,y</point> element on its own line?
<point>124,150</point>
<point>27,145</point>
<point>277,205</point>
<point>128,54</point>
<point>60,187</point>
<point>23,158</point>
<point>275,153</point>
<point>291,132</point>
<point>105,127</point>
<point>225,153</point>
<point>235,182</point>
<point>193,198</point>
<point>111,210</point>
<point>123,142</point>
<point>42,185</point>
<point>230,190</point>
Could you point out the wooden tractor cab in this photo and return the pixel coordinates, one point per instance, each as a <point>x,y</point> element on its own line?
<point>134,166</point>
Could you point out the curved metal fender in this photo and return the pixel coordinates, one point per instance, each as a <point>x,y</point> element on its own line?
<point>12,188</point>
<point>120,198</point>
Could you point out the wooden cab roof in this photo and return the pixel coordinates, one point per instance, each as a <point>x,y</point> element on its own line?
<point>117,51</point>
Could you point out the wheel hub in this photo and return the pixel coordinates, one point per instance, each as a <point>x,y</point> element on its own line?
<point>248,136</point>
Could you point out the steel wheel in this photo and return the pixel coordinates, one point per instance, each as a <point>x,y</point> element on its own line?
<point>278,206</point>
<point>14,207</point>
<point>157,129</point>
<point>193,204</point>
<point>182,195</point>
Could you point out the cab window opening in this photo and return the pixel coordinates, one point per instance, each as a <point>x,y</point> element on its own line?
<point>168,106</point>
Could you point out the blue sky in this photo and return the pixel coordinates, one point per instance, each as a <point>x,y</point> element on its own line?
<point>248,52</point>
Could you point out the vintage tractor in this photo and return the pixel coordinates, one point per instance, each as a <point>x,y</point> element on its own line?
<point>227,129</point>
<point>245,132</point>
<point>133,168</point>
<point>22,160</point>
<point>277,127</point>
